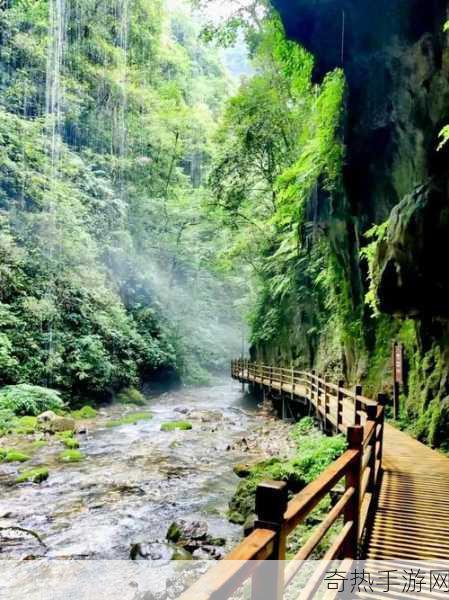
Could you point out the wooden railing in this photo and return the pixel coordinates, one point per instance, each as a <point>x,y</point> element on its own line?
<point>357,473</point>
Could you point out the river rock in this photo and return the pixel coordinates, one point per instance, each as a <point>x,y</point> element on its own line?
<point>193,535</point>
<point>160,551</point>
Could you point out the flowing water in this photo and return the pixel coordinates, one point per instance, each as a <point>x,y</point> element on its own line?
<point>136,479</point>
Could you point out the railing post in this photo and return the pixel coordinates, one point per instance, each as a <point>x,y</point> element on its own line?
<point>271,504</point>
<point>271,377</point>
<point>312,388</point>
<point>340,393</point>
<point>357,404</point>
<point>352,512</point>
<point>280,378</point>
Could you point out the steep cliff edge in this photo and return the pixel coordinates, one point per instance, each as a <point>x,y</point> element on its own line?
<point>396,60</point>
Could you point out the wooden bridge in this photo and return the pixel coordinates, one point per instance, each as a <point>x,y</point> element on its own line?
<point>392,501</point>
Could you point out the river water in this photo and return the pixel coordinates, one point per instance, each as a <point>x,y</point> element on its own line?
<point>136,479</point>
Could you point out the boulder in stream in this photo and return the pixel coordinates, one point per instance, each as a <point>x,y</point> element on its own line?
<point>194,536</point>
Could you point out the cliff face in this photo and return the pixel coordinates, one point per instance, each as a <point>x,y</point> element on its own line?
<point>396,60</point>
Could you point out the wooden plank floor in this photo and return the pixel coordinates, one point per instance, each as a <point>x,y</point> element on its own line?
<point>412,519</point>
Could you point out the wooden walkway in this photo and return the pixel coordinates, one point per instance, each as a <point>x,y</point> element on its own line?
<point>394,507</point>
<point>412,516</point>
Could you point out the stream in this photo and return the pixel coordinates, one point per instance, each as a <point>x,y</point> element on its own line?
<point>136,479</point>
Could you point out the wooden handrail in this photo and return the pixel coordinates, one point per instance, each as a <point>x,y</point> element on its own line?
<point>359,466</point>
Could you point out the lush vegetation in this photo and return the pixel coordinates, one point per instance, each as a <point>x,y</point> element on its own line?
<point>107,261</point>
<point>277,182</point>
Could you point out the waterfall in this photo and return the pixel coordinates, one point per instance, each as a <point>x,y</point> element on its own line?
<point>120,130</point>
<point>54,89</point>
<point>57,28</point>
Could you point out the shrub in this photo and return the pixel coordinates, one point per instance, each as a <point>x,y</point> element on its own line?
<point>131,395</point>
<point>86,412</point>
<point>24,399</point>
<point>8,421</point>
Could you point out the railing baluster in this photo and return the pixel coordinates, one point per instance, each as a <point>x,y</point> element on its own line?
<point>357,404</point>
<point>293,382</point>
<point>340,396</point>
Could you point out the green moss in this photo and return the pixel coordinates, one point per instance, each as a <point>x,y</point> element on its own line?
<point>37,444</point>
<point>172,425</point>
<point>131,395</point>
<point>131,419</point>
<point>71,443</point>
<point>71,456</point>
<point>27,424</point>
<point>15,456</point>
<point>63,435</point>
<point>86,412</point>
<point>34,475</point>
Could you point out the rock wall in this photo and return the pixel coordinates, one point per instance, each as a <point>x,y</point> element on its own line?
<point>396,60</point>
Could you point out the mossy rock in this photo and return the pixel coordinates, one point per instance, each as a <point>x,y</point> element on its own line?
<point>71,443</point>
<point>174,533</point>
<point>86,412</point>
<point>130,419</point>
<point>242,470</point>
<point>33,475</point>
<point>243,502</point>
<point>15,456</point>
<point>131,395</point>
<point>173,425</point>
<point>71,456</point>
